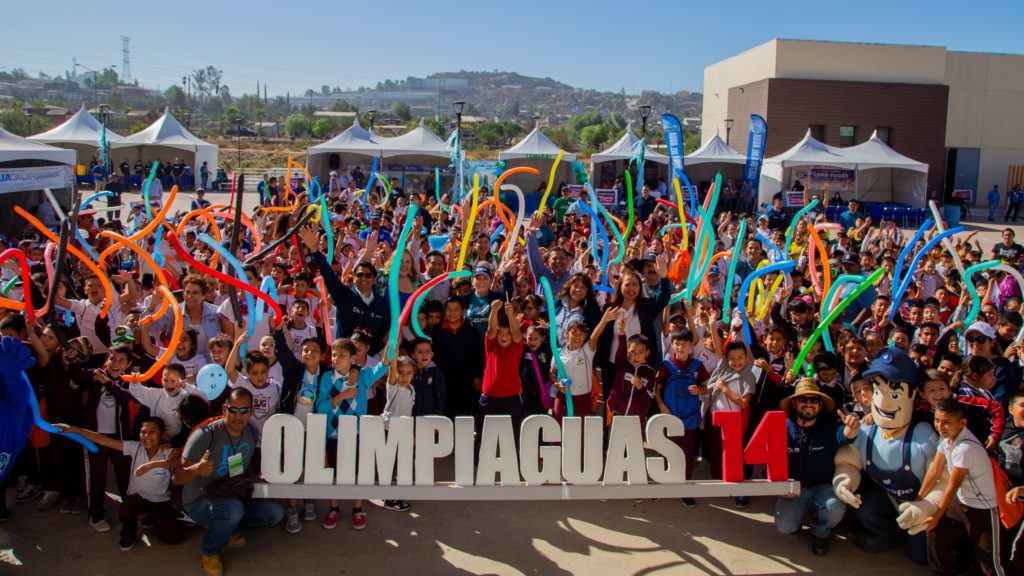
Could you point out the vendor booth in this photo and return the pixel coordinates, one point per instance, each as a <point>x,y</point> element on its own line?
<point>83,134</point>
<point>714,157</point>
<point>537,151</point>
<point>26,168</point>
<point>609,164</point>
<point>165,140</point>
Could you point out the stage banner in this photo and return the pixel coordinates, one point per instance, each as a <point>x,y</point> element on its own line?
<point>23,179</point>
<point>755,152</point>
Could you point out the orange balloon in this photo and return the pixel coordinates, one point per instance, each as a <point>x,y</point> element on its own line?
<point>164,302</point>
<point>172,346</point>
<point>108,290</point>
<point>497,188</point>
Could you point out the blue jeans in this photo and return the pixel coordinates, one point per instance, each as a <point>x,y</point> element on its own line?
<point>224,516</point>
<point>992,212</point>
<point>790,512</point>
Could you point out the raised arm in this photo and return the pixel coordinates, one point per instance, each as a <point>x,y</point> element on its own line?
<point>101,439</point>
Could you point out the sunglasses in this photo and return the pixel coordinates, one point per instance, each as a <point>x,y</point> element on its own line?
<point>805,400</point>
<point>976,339</point>
<point>237,410</point>
<point>364,275</point>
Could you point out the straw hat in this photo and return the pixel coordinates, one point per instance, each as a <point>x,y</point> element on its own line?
<point>807,387</point>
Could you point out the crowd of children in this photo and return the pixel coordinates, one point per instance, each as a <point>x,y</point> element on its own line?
<point>628,347</point>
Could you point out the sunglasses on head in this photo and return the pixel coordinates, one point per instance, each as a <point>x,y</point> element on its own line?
<point>239,410</point>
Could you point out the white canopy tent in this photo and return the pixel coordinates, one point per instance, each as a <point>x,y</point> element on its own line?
<point>777,170</point>
<point>885,175</point>
<point>620,154</point>
<point>26,167</point>
<point>80,133</point>
<point>713,157</point>
<point>357,146</point>
<point>165,140</point>
<point>537,151</point>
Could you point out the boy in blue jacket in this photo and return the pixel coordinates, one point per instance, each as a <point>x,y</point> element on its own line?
<point>341,392</point>
<point>677,374</point>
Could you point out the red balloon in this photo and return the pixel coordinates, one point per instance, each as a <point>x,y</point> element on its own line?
<point>173,239</point>
<point>26,280</point>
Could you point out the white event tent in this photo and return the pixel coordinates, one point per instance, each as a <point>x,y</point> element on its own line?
<point>81,133</point>
<point>712,157</point>
<point>777,170</point>
<point>885,175</point>
<point>882,174</point>
<point>26,168</point>
<point>165,140</point>
<point>621,154</point>
<point>419,148</point>
<point>537,151</point>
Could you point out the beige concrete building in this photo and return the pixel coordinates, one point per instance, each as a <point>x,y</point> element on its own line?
<point>961,112</point>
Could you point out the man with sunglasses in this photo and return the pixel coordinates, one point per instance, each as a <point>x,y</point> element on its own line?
<point>813,436</point>
<point>215,462</point>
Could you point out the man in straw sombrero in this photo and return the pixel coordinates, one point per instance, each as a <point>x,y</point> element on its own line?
<point>813,436</point>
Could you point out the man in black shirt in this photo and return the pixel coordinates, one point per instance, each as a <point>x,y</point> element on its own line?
<point>117,188</point>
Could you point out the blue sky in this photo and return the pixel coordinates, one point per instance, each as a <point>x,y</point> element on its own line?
<point>598,44</point>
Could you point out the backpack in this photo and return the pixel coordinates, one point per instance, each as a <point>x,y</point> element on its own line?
<point>677,394</point>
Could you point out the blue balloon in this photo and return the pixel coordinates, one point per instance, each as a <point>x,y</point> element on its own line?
<point>212,379</point>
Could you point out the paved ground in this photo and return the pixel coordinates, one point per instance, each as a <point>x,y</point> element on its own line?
<point>513,538</point>
<point>507,538</point>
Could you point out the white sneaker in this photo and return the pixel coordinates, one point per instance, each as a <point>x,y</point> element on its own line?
<point>49,500</point>
<point>100,525</point>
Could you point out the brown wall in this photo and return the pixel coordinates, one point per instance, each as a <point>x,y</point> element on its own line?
<point>915,112</point>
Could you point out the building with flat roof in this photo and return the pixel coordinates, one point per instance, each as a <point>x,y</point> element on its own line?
<point>962,113</point>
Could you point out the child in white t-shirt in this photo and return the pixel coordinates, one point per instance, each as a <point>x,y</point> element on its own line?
<point>163,402</point>
<point>298,328</point>
<point>266,393</point>
<point>578,360</point>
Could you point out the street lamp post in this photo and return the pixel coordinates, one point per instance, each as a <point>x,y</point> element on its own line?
<point>188,120</point>
<point>371,114</point>
<point>238,138</point>
<point>458,106</point>
<point>645,113</point>
<point>728,128</point>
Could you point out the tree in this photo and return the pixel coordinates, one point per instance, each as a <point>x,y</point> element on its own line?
<point>296,125</point>
<point>561,137</point>
<point>595,135</point>
<point>325,90</point>
<point>691,141</point>
<point>402,111</point>
<point>16,121</point>
<point>578,123</point>
<point>323,126</point>
<point>342,106</point>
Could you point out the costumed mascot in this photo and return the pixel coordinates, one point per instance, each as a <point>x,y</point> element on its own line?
<point>894,454</point>
<point>16,414</point>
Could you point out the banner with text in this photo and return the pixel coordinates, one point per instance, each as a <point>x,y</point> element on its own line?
<point>755,152</point>
<point>24,179</point>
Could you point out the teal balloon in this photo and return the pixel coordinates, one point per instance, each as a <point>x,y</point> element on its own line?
<point>212,380</point>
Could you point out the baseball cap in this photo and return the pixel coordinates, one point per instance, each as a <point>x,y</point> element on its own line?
<point>122,334</point>
<point>894,365</point>
<point>983,328</point>
<point>482,269</point>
